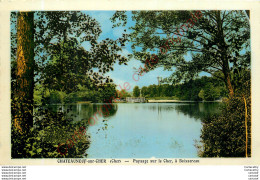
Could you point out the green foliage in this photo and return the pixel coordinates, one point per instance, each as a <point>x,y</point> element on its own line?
<point>225,135</point>
<point>123,94</point>
<point>204,88</point>
<point>209,92</point>
<point>81,96</point>
<point>56,97</point>
<point>63,72</point>
<point>218,42</point>
<point>103,93</point>
<point>107,92</point>
<point>120,18</point>
<point>152,89</point>
<point>144,91</point>
<point>61,62</point>
<point>50,129</point>
<point>136,91</point>
<point>201,94</point>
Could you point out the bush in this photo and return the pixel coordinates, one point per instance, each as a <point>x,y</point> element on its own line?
<point>225,135</point>
<point>50,129</point>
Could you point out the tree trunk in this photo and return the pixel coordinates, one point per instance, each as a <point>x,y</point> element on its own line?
<point>223,46</point>
<point>228,82</point>
<point>23,113</point>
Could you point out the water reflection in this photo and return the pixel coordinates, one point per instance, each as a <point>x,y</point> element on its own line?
<point>109,110</point>
<point>193,110</point>
<point>142,130</point>
<point>147,130</point>
<point>200,110</point>
<point>84,111</point>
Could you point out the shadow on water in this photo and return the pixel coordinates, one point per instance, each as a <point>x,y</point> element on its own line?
<point>84,111</point>
<point>109,110</point>
<point>132,130</point>
<point>200,110</point>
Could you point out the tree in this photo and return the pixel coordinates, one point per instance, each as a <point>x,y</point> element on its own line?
<point>23,95</point>
<point>217,41</point>
<point>167,90</point>
<point>136,91</point>
<point>46,51</point>
<point>60,60</point>
<point>107,91</point>
<point>152,89</point>
<point>144,91</point>
<point>64,63</point>
<point>229,134</point>
<point>206,88</point>
<point>209,92</point>
<point>49,52</point>
<point>159,90</point>
<point>123,94</point>
<point>201,94</point>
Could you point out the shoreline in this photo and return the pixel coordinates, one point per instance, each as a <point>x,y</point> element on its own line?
<point>177,101</point>
<point>148,101</point>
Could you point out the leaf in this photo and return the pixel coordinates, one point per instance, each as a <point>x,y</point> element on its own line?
<point>39,150</point>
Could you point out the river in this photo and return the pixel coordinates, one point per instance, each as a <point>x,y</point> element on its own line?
<point>144,130</point>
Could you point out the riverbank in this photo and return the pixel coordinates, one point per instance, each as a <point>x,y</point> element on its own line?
<point>176,101</point>
<point>146,101</point>
<point>167,101</point>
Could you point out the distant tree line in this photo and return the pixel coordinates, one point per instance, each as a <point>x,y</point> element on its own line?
<point>83,94</point>
<point>204,88</point>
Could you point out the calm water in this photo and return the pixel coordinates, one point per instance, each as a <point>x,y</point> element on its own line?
<point>144,130</point>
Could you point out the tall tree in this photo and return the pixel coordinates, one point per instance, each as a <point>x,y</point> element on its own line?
<point>23,95</point>
<point>136,91</point>
<point>216,41</point>
<point>144,91</point>
<point>47,49</point>
<point>123,94</point>
<point>62,61</point>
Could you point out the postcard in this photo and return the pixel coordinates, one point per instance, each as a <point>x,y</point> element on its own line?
<point>128,85</point>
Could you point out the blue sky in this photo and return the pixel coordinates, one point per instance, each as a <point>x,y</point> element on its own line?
<point>123,73</point>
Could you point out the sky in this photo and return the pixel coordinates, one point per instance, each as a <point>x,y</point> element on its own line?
<point>124,73</point>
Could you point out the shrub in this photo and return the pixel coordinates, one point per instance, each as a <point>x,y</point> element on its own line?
<point>50,129</point>
<point>229,135</point>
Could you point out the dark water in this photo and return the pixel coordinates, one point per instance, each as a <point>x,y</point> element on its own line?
<point>143,130</point>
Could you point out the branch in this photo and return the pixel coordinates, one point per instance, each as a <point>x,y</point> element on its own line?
<point>212,73</point>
